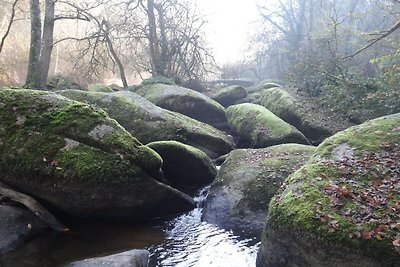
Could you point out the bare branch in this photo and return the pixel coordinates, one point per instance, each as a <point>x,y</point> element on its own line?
<point>375,40</point>
<point>3,39</point>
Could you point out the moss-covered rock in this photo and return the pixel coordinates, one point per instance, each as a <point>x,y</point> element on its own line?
<point>185,101</point>
<point>184,166</point>
<point>254,98</point>
<point>149,123</point>
<point>258,127</point>
<point>228,95</point>
<point>248,179</point>
<point>60,82</point>
<point>315,122</point>
<point>98,87</point>
<point>76,158</point>
<point>343,207</point>
<point>267,84</point>
<point>17,226</point>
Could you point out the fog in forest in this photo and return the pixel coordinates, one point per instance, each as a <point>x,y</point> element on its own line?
<point>223,133</point>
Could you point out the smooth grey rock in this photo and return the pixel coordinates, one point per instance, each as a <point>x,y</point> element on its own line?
<point>131,258</point>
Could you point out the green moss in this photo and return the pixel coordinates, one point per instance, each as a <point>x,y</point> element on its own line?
<point>148,122</point>
<point>315,122</point>
<point>263,173</point>
<point>95,167</point>
<point>260,127</point>
<point>368,136</point>
<point>48,116</point>
<point>98,87</point>
<point>304,203</point>
<point>185,101</point>
<point>184,165</point>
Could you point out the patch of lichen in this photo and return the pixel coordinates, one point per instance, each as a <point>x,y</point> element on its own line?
<point>260,127</point>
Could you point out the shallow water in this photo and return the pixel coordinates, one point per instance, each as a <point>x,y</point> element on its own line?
<point>183,241</point>
<point>191,242</point>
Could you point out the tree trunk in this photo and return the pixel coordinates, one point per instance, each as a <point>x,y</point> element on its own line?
<point>33,76</point>
<point>47,45</point>
<point>153,40</point>
<point>163,38</point>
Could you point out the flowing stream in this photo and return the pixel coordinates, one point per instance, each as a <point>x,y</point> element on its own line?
<point>184,241</point>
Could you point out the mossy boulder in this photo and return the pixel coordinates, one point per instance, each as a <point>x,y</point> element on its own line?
<point>315,122</point>
<point>267,84</point>
<point>74,157</point>
<point>184,166</point>
<point>17,226</point>
<point>185,101</point>
<point>248,179</point>
<point>149,123</point>
<point>254,98</point>
<point>228,95</point>
<point>258,127</point>
<point>342,207</point>
<point>98,87</point>
<point>61,82</point>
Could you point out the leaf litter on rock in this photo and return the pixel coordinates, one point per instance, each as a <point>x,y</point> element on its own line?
<point>367,194</point>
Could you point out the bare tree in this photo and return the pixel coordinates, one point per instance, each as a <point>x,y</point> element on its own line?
<point>10,22</point>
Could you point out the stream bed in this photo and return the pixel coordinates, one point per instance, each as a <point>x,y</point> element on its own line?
<point>183,241</point>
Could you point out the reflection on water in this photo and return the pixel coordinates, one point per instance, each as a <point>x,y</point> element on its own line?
<point>189,242</point>
<point>183,242</point>
<point>84,241</point>
<point>193,243</point>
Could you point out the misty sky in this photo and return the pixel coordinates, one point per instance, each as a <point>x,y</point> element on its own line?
<point>230,23</point>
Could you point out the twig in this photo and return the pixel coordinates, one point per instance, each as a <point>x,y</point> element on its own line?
<point>374,41</point>
<point>33,206</point>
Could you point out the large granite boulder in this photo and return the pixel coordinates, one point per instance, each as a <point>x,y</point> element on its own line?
<point>131,258</point>
<point>98,87</point>
<point>185,101</point>
<point>17,226</point>
<point>227,96</point>
<point>267,84</point>
<point>74,157</point>
<point>342,208</point>
<point>258,127</point>
<point>184,166</point>
<point>315,122</point>
<point>149,123</point>
<point>248,179</point>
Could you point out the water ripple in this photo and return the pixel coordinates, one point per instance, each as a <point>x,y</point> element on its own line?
<point>192,243</point>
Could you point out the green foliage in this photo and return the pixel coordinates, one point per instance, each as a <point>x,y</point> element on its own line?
<point>363,99</point>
